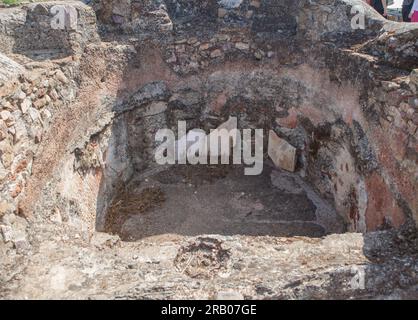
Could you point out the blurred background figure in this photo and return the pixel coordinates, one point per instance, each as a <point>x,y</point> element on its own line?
<point>414,11</point>
<point>380,6</point>
<point>406,10</point>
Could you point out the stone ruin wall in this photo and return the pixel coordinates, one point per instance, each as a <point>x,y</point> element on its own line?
<point>347,100</point>
<point>27,30</point>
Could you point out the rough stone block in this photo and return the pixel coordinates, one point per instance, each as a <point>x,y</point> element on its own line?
<point>414,79</point>
<point>229,295</point>
<point>7,233</point>
<point>5,208</point>
<point>155,108</point>
<point>9,69</point>
<point>282,153</point>
<point>242,46</point>
<point>222,12</point>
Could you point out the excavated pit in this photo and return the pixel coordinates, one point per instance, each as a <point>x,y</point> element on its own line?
<point>192,200</point>
<point>86,212</point>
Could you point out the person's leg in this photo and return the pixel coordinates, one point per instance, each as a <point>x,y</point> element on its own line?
<point>378,6</point>
<point>385,8</point>
<point>406,9</point>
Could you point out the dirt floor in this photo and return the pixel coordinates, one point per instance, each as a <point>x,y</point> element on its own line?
<point>199,200</point>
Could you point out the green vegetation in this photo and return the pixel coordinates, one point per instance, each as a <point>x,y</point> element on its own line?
<point>10,1</point>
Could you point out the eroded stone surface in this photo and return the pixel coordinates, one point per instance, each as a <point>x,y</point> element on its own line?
<point>251,267</point>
